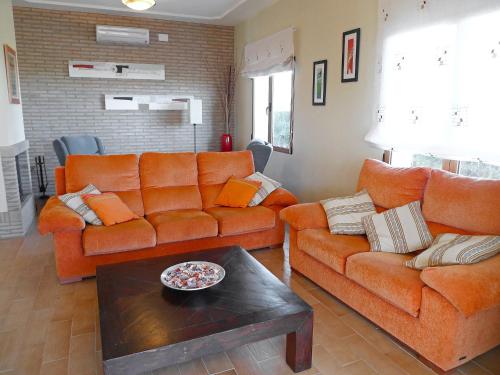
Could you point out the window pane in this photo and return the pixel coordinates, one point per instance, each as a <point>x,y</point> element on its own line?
<point>260,104</point>
<point>408,159</point>
<point>282,109</point>
<point>427,161</point>
<point>479,169</point>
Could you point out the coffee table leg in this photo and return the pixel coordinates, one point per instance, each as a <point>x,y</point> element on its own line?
<point>299,346</point>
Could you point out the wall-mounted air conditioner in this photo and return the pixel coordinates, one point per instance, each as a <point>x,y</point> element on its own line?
<point>122,35</point>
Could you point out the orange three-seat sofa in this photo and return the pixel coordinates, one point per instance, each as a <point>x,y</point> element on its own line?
<point>448,315</point>
<point>174,196</point>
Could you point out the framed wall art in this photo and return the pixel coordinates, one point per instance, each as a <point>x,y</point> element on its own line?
<point>319,82</point>
<point>12,74</point>
<point>350,55</point>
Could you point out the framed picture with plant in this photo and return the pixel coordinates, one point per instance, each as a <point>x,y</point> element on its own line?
<point>12,75</point>
<point>319,82</point>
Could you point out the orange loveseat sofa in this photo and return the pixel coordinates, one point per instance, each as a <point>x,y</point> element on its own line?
<point>448,315</point>
<point>174,196</point>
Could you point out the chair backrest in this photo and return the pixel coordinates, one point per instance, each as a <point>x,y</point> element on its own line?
<point>261,151</point>
<point>77,145</point>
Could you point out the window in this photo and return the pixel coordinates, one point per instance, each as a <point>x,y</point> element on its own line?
<point>273,110</point>
<point>464,168</point>
<point>429,96</point>
<point>407,159</point>
<point>479,169</point>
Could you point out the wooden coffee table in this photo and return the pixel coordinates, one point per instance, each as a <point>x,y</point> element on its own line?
<point>146,326</point>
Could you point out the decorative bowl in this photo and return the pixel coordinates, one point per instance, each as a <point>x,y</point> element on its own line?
<point>192,276</point>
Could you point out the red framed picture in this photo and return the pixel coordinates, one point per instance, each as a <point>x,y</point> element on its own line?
<point>350,55</point>
<point>12,74</point>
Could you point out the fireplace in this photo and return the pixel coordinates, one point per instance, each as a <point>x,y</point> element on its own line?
<point>17,208</point>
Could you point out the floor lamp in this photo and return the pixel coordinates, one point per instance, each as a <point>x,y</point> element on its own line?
<point>195,116</point>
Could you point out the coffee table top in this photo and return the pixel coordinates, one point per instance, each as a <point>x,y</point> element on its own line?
<point>138,313</point>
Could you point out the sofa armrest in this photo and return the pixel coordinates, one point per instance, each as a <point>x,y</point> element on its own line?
<point>305,216</point>
<point>470,288</point>
<point>56,217</point>
<point>280,197</point>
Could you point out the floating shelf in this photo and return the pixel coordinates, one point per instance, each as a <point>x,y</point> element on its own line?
<point>153,102</point>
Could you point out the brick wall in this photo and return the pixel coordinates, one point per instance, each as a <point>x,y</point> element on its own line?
<point>55,104</point>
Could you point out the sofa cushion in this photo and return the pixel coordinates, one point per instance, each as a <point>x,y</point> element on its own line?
<point>75,202</point>
<point>345,213</point>
<point>331,250</point>
<point>109,208</point>
<point>132,235</point>
<point>237,193</point>
<point>462,202</point>
<point>233,221</point>
<point>452,249</point>
<point>470,288</point>
<point>169,182</point>
<point>182,225</point>
<point>398,230</point>
<point>385,275</point>
<point>391,187</point>
<point>109,173</point>
<point>133,199</point>
<point>105,172</point>
<point>215,168</point>
<point>436,229</point>
<point>268,187</point>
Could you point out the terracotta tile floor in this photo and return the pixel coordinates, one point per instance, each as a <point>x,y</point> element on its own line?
<point>50,329</point>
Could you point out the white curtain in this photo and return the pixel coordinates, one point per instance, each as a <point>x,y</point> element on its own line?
<point>438,78</point>
<point>270,55</point>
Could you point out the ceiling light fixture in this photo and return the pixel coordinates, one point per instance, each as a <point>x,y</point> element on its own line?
<point>139,4</point>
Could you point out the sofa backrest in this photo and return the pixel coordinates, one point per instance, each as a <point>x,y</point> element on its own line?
<point>391,187</point>
<point>463,202</point>
<point>109,173</point>
<point>169,182</point>
<point>215,168</point>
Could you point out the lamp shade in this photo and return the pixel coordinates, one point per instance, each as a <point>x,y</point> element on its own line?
<point>196,112</point>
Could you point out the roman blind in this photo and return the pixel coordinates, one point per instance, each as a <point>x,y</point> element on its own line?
<point>270,55</point>
<point>438,78</point>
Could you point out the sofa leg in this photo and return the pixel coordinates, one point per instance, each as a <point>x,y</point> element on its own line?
<point>69,280</point>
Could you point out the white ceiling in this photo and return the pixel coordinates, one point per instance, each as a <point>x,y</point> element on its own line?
<point>221,12</point>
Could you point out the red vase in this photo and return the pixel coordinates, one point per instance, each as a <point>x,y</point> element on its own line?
<point>226,143</point>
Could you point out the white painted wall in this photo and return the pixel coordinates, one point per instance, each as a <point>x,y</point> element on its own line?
<point>11,115</point>
<point>329,145</point>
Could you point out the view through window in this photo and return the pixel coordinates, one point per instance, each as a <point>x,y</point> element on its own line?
<point>273,110</point>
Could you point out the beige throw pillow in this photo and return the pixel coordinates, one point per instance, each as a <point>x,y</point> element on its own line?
<point>399,230</point>
<point>76,203</point>
<point>267,187</point>
<point>344,214</point>
<point>449,249</point>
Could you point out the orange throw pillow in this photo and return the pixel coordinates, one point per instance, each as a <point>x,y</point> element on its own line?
<point>109,208</point>
<point>237,193</point>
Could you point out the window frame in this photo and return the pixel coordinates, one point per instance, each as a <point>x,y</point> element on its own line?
<point>269,110</point>
<point>448,165</point>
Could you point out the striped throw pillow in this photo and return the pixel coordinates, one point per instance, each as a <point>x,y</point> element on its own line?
<point>267,187</point>
<point>399,230</point>
<point>345,214</point>
<point>76,203</point>
<point>449,249</point>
